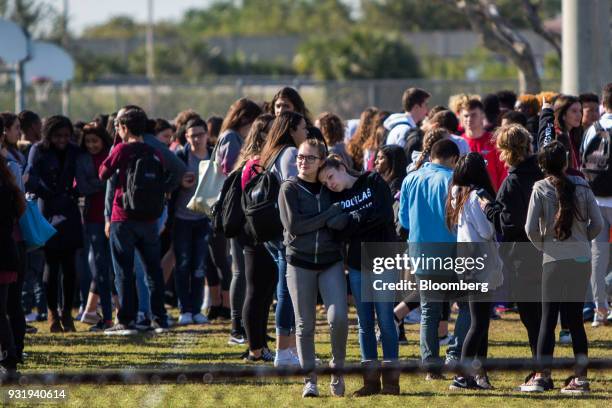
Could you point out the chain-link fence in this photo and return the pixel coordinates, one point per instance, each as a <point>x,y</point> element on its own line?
<point>347,98</point>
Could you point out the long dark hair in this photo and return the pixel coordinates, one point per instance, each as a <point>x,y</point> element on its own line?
<point>296,100</point>
<point>366,125</point>
<point>470,174</point>
<point>240,113</point>
<point>95,128</point>
<point>51,125</point>
<point>561,106</point>
<point>279,136</point>
<point>553,161</point>
<point>7,178</point>
<point>396,157</point>
<point>255,140</point>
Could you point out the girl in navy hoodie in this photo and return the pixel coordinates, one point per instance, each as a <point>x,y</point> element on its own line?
<point>367,198</point>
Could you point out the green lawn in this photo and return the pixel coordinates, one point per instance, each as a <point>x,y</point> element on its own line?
<point>202,346</point>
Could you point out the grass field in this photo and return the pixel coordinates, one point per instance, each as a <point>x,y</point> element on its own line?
<point>203,346</point>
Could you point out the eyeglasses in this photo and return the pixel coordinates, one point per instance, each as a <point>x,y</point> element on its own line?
<point>308,159</point>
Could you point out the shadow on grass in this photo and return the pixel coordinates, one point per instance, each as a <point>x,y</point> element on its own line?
<point>509,394</point>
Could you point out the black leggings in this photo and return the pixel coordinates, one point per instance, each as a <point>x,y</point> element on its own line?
<point>14,309</point>
<point>7,342</point>
<point>568,280</point>
<point>261,278</point>
<point>476,343</point>
<point>57,261</point>
<point>531,317</point>
<point>218,271</point>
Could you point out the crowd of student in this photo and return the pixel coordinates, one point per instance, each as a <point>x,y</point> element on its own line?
<point>117,190</point>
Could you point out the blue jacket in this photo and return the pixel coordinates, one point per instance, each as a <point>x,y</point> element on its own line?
<point>422,204</point>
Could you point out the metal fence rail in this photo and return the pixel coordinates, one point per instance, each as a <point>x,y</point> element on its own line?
<point>220,374</point>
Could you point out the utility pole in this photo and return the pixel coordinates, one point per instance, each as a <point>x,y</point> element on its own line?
<point>586,45</point>
<point>150,42</point>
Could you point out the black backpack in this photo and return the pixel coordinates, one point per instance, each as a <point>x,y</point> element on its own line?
<point>260,206</point>
<point>230,212</point>
<point>414,142</point>
<point>597,162</point>
<point>144,195</point>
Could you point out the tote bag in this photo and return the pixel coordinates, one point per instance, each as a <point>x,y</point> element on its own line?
<point>35,229</point>
<point>209,186</point>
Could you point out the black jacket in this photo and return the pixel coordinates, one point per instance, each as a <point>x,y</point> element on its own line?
<point>509,212</point>
<point>8,218</point>
<point>370,204</point>
<point>56,189</point>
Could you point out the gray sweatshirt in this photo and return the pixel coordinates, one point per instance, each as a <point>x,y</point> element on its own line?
<point>543,207</point>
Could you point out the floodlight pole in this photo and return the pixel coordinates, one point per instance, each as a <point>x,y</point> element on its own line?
<point>586,45</point>
<point>19,88</point>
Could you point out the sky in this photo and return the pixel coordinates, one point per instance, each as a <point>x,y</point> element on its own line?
<point>85,13</point>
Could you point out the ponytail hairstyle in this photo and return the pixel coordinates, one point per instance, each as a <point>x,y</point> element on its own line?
<point>255,140</point>
<point>553,162</point>
<point>470,174</point>
<point>355,145</point>
<point>431,137</point>
<point>7,178</point>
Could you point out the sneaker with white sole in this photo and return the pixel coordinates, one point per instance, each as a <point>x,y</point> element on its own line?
<point>236,338</point>
<point>185,319</point>
<point>121,330</point>
<point>600,318</point>
<point>310,390</point>
<point>483,382</point>
<point>575,386</point>
<point>285,358</point>
<point>336,386</point>
<point>90,318</point>
<point>200,318</point>
<point>534,384</point>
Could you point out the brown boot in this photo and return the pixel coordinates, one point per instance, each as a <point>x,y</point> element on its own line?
<point>390,379</point>
<point>67,322</point>
<point>54,322</point>
<point>371,379</point>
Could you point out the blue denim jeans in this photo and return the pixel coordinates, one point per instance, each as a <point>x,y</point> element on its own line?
<point>126,237</point>
<point>431,312</point>
<point>142,288</point>
<point>285,320</point>
<point>100,263</point>
<point>33,293</point>
<point>366,319</point>
<point>191,252</point>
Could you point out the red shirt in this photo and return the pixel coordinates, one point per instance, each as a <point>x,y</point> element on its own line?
<point>486,147</point>
<point>120,158</point>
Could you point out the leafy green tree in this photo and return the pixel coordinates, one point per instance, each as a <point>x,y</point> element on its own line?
<point>358,54</point>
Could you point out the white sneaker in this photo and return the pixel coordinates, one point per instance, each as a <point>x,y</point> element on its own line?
<point>31,317</point>
<point>199,318</point>
<point>310,390</point>
<point>285,358</point>
<point>90,318</point>
<point>599,319</point>
<point>185,319</point>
